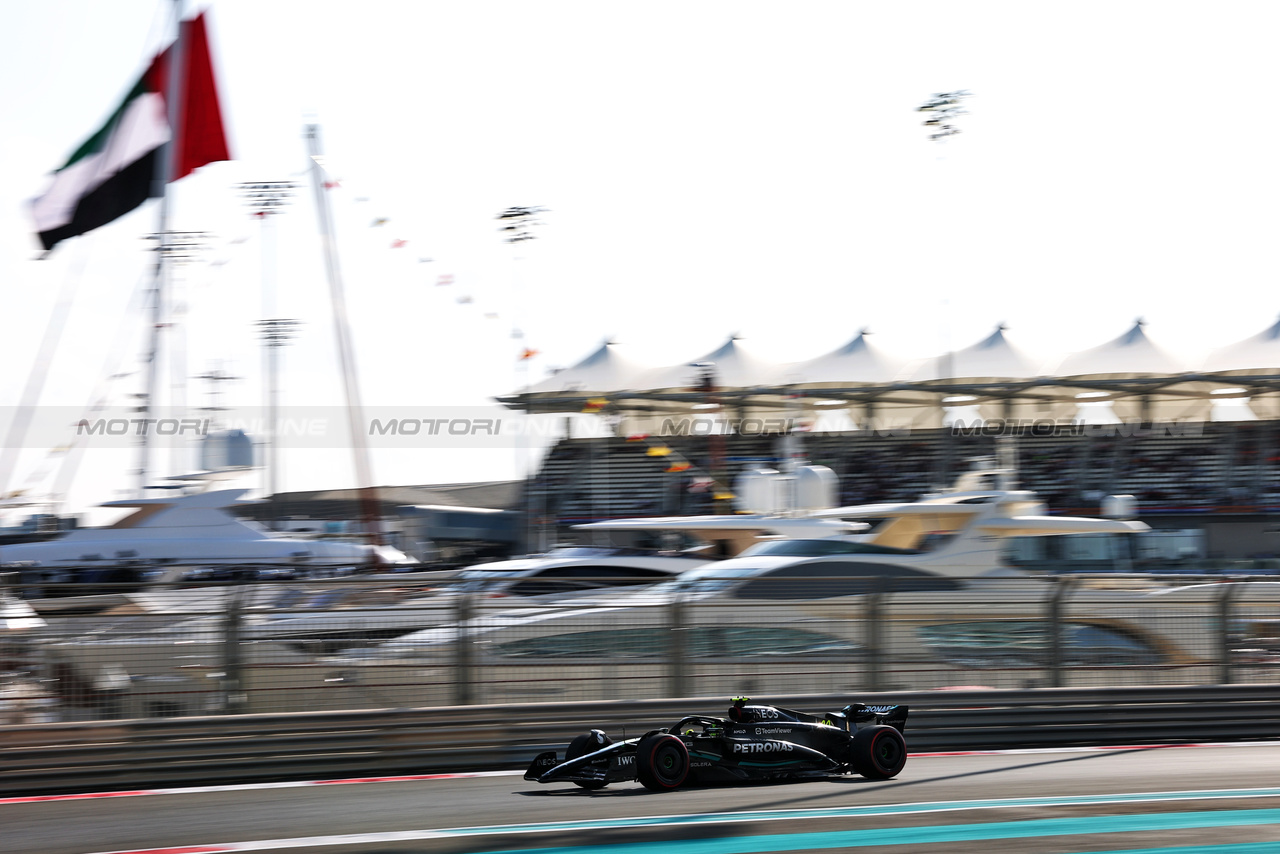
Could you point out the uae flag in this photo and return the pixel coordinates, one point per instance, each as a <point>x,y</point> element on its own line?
<point>115,170</point>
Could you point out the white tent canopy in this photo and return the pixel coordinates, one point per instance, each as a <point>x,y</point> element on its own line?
<point>605,370</point>
<point>1259,352</point>
<point>992,357</point>
<point>858,361</point>
<point>730,364</point>
<point>1128,378</point>
<point>1132,354</point>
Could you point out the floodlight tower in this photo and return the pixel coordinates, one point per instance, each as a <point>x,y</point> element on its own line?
<point>516,227</point>
<point>943,108</point>
<point>173,249</point>
<point>265,199</point>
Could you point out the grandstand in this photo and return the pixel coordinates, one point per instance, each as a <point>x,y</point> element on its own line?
<point>1223,477</point>
<point>1120,418</point>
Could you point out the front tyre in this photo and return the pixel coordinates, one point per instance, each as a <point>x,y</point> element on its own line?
<point>878,752</point>
<point>588,742</point>
<point>662,762</point>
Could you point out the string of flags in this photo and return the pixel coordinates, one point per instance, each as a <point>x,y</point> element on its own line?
<point>445,280</point>
<point>401,242</point>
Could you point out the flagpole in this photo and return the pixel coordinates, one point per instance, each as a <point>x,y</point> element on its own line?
<point>160,188</point>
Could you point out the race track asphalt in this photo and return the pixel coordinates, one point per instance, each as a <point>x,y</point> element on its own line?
<point>1044,801</point>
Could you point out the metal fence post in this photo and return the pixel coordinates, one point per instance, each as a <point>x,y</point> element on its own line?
<point>1223,626</point>
<point>1054,618</point>
<point>677,673</point>
<point>463,695</point>
<point>873,641</point>
<point>234,698</point>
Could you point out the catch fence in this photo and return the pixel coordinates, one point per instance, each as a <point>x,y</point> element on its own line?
<point>339,644</point>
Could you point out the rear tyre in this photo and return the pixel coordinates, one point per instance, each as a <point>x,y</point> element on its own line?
<point>662,762</point>
<point>878,752</point>
<point>588,742</point>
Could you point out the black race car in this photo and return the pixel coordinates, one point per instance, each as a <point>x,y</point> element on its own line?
<point>752,743</point>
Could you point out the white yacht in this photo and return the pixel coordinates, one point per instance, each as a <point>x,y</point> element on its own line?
<point>788,602</point>
<point>964,531</point>
<point>171,549</point>
<point>196,529</point>
<point>942,561</point>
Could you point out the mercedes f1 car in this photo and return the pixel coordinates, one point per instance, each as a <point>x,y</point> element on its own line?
<point>753,743</point>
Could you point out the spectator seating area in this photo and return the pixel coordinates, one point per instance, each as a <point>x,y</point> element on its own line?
<point>1202,468</point>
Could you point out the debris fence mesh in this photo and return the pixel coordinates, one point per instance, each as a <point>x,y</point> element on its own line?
<point>388,643</point>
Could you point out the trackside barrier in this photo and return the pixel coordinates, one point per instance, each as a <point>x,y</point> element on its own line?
<point>132,754</point>
<point>406,642</point>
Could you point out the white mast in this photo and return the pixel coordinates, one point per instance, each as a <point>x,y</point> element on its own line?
<point>160,187</point>
<point>369,511</point>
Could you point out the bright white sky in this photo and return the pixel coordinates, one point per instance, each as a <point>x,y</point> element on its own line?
<point>709,168</point>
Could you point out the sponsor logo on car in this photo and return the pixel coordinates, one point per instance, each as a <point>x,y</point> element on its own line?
<point>777,730</point>
<point>764,747</point>
<point>625,760</point>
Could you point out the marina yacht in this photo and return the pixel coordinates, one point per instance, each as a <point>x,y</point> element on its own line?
<point>188,530</point>
<point>302,623</point>
<point>174,542</point>
<point>580,569</point>
<point>790,602</point>
<point>944,564</point>
<point>980,526</point>
<point>322,615</point>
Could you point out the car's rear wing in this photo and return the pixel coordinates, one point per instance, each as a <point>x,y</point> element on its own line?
<point>860,715</point>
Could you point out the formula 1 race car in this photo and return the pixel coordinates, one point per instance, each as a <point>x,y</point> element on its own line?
<point>752,743</point>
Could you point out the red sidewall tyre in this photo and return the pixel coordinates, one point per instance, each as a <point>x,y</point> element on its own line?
<point>879,752</point>
<point>662,762</point>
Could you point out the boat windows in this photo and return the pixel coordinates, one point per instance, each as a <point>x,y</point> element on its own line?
<point>583,551</point>
<point>288,598</point>
<point>708,579</point>
<point>820,548</point>
<point>698,642</point>
<point>1028,643</point>
<point>566,579</point>
<point>935,540</point>
<point>827,579</point>
<point>552,580</point>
